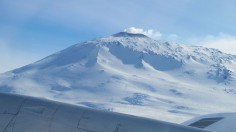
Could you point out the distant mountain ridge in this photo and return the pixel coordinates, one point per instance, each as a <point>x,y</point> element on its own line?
<point>132,73</point>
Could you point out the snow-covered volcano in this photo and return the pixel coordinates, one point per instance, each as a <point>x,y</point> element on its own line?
<point>131,73</point>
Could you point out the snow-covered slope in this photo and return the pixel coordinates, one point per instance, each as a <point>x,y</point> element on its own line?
<point>131,73</point>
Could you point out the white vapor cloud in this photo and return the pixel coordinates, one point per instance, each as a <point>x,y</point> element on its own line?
<point>223,42</point>
<point>150,32</point>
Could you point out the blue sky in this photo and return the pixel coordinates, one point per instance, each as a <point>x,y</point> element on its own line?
<point>31,30</point>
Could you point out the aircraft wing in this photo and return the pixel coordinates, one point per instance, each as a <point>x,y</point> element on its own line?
<point>28,114</point>
<point>220,122</point>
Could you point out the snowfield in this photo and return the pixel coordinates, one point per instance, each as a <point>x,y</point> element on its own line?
<point>133,74</point>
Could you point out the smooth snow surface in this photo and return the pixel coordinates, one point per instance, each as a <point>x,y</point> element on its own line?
<point>133,74</point>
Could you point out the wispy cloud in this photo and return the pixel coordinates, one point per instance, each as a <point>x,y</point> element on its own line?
<point>222,41</point>
<point>154,34</point>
